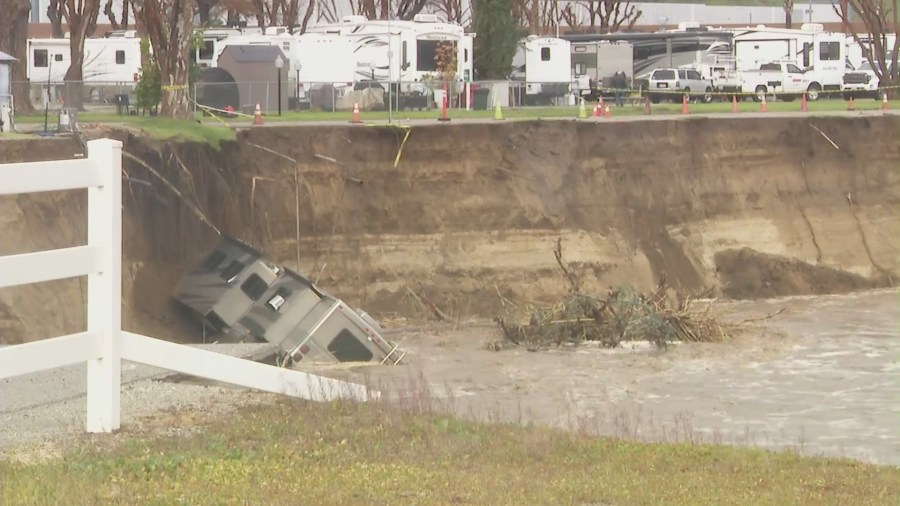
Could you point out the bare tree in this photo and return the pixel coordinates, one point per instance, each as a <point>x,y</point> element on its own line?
<point>81,20</point>
<point>120,24</point>
<point>610,16</point>
<point>56,18</point>
<point>879,19</point>
<point>169,25</point>
<point>788,13</point>
<point>538,15</point>
<point>454,11</point>
<point>14,41</point>
<point>331,11</point>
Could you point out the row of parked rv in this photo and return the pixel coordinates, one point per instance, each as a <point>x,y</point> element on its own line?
<point>357,50</point>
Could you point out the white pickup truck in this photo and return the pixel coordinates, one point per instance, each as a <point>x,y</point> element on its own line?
<point>781,79</point>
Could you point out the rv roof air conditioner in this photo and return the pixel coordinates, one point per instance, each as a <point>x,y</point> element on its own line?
<point>812,27</point>
<point>426,18</point>
<point>353,20</point>
<point>276,30</point>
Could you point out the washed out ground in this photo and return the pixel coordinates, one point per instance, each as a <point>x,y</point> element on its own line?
<point>735,205</point>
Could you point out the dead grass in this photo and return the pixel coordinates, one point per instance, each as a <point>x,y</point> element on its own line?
<point>404,452</point>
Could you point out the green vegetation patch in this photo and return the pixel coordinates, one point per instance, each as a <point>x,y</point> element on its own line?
<point>342,453</point>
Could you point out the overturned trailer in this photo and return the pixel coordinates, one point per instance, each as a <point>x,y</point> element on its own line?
<point>238,293</point>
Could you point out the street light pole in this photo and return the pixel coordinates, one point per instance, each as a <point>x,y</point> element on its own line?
<point>279,62</point>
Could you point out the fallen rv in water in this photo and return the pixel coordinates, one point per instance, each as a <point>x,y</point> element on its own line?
<point>243,296</point>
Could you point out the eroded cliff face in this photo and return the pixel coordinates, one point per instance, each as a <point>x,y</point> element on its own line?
<point>749,207</point>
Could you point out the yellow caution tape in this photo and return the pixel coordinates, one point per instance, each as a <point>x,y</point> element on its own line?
<point>629,92</point>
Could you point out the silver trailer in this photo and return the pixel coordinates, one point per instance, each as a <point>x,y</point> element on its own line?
<point>247,298</point>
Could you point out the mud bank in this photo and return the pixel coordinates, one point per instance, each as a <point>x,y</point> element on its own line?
<point>752,207</point>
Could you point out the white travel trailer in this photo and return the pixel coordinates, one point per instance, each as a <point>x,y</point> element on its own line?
<point>113,59</point>
<point>544,65</point>
<point>402,51</point>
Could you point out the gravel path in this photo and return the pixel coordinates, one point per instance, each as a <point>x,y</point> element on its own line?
<point>47,408</point>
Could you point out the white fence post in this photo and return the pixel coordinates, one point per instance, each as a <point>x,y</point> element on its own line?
<point>104,311</point>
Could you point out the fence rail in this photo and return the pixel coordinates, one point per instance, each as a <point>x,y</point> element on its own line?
<point>104,345</point>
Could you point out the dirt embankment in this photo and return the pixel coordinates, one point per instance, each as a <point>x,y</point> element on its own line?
<point>750,207</point>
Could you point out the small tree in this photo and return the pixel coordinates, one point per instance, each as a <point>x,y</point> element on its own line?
<point>498,37</point>
<point>879,18</point>
<point>148,91</point>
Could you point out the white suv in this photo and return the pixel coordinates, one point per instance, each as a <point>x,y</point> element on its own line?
<point>675,83</point>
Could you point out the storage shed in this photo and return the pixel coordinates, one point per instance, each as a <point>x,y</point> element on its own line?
<point>253,69</point>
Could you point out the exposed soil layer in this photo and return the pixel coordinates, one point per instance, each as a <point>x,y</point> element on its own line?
<point>752,207</point>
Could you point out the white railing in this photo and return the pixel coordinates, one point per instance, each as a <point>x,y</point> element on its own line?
<point>104,345</point>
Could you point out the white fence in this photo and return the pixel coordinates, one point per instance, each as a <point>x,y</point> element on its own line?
<point>104,345</point>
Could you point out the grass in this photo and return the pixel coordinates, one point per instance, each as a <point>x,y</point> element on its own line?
<point>342,453</point>
<point>213,131</point>
<point>156,127</point>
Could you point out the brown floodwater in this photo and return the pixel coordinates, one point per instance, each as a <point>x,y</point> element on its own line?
<point>822,377</point>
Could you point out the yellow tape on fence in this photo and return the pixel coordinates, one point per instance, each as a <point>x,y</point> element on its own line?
<point>630,91</point>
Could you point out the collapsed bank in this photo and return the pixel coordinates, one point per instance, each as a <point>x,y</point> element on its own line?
<point>465,215</point>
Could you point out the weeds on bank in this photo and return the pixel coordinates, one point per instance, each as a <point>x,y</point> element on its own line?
<point>405,451</point>
<point>620,315</point>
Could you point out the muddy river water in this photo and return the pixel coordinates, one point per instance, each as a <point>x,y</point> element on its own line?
<point>821,377</point>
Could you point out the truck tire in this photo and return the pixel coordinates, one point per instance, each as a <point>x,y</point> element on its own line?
<point>686,93</point>
<point>708,97</point>
<point>655,99</point>
<point>760,92</point>
<point>812,93</point>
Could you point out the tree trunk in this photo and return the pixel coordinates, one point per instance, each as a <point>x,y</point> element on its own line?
<point>74,77</point>
<point>175,103</point>
<point>169,25</point>
<point>13,41</point>
<point>788,22</point>
<point>56,19</point>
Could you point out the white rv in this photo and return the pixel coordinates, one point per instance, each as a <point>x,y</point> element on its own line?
<point>544,66</point>
<point>402,51</point>
<point>822,55</point>
<point>113,59</point>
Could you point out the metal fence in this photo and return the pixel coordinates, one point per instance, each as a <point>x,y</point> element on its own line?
<point>53,94</point>
<point>379,95</point>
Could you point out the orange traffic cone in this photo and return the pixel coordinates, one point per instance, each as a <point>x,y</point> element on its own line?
<point>684,105</point>
<point>607,113</point>
<point>804,105</point>
<point>850,105</point>
<point>884,103</point>
<point>763,107</point>
<point>595,112</point>
<point>257,116</point>
<point>357,118</point>
<point>647,110</point>
<point>734,104</point>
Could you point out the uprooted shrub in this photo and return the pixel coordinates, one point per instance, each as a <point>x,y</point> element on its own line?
<point>620,315</point>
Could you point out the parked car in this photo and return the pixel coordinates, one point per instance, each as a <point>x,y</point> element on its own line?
<point>675,83</point>
<point>861,82</point>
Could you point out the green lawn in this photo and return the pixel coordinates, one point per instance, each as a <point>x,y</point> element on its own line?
<point>213,131</point>
<point>159,128</point>
<point>305,453</point>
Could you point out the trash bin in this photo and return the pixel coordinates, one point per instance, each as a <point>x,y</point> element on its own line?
<point>480,98</point>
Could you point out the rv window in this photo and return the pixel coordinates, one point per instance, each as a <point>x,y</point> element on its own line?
<point>254,287</point>
<point>233,269</point>
<point>426,55</point>
<point>213,260</point>
<point>40,58</point>
<point>120,57</point>
<point>207,50</point>
<point>829,51</point>
<point>403,55</point>
<point>545,54</point>
<point>347,348</point>
<point>807,50</point>
<point>58,57</point>
<point>465,56</point>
